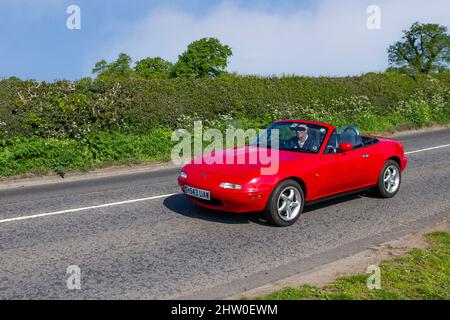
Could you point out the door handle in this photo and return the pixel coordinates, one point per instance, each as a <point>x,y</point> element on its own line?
<point>366,156</point>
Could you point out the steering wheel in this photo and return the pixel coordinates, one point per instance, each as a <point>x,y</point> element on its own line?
<point>284,144</point>
<point>352,131</point>
<point>351,128</point>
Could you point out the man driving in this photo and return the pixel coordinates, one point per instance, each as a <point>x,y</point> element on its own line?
<point>303,140</point>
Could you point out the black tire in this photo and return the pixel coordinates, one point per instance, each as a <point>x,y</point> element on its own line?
<point>271,212</point>
<point>381,189</point>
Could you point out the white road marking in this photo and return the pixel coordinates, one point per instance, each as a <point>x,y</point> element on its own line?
<point>86,208</point>
<point>143,199</point>
<point>428,149</point>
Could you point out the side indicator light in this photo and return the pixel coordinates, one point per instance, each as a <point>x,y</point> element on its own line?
<point>256,197</point>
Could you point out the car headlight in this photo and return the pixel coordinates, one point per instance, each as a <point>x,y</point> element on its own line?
<point>183,175</point>
<point>227,185</point>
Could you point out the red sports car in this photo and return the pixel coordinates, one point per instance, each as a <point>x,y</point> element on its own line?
<point>314,161</point>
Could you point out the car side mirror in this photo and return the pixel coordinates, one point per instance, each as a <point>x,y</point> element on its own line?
<point>345,147</point>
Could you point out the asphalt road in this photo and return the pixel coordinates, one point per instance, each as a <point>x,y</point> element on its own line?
<point>162,248</point>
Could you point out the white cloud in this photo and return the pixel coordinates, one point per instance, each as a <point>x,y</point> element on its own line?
<point>331,39</point>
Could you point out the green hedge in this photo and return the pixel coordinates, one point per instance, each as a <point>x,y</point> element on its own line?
<point>73,110</point>
<point>79,125</point>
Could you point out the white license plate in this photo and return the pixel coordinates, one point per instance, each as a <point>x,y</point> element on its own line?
<point>197,193</point>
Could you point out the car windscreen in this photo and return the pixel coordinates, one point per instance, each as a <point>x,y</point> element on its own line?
<point>293,136</point>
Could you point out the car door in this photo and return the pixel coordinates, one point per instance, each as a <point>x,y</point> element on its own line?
<point>373,161</point>
<point>359,161</point>
<point>335,169</point>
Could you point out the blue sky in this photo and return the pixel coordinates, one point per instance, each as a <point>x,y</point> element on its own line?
<point>323,37</point>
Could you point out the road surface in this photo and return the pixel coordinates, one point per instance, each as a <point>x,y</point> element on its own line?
<point>134,237</point>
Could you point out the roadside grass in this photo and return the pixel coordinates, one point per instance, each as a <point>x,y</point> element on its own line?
<point>423,274</point>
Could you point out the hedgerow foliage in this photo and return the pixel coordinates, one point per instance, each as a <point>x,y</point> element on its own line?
<point>74,109</point>
<point>85,123</point>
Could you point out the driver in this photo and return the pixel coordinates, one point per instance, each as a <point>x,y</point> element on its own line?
<point>303,140</point>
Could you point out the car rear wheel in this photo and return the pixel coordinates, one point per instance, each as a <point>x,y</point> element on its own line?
<point>285,204</point>
<point>390,180</point>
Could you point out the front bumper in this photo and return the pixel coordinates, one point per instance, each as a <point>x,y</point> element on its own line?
<point>233,201</point>
<point>404,163</point>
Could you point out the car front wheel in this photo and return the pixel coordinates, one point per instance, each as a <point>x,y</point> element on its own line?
<point>285,204</point>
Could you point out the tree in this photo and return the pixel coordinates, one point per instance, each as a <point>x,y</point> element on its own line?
<point>118,69</point>
<point>100,67</point>
<point>153,68</point>
<point>121,66</point>
<point>13,78</point>
<point>424,48</point>
<point>203,58</point>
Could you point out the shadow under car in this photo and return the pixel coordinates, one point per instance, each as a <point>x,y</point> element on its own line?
<point>180,204</point>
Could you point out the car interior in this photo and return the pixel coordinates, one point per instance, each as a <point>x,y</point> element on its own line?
<point>350,134</point>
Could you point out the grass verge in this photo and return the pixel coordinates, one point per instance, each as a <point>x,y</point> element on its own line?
<point>423,274</point>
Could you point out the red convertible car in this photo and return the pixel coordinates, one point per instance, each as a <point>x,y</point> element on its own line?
<point>315,161</point>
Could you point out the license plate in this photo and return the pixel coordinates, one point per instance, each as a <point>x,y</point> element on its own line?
<point>197,193</point>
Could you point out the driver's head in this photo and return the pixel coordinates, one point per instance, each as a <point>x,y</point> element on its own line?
<point>301,132</point>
